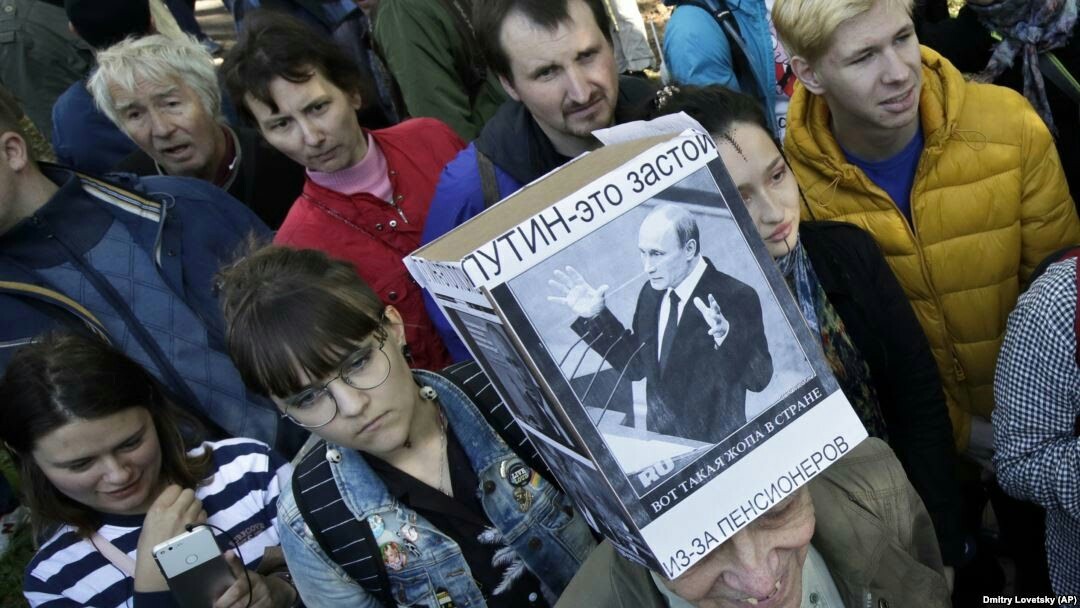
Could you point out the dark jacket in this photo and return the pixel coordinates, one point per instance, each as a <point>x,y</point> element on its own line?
<point>188,226</point>
<point>266,180</point>
<point>83,138</point>
<point>520,153</point>
<point>871,530</point>
<point>699,391</point>
<point>883,327</point>
<point>39,56</point>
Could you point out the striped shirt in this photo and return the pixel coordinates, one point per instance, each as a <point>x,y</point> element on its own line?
<point>239,496</point>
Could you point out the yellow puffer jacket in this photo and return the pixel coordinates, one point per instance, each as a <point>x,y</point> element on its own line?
<point>989,202</point>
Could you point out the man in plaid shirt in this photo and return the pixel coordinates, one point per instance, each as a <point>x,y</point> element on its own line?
<point>1037,390</point>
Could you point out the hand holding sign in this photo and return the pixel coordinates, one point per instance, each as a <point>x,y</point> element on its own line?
<point>718,323</point>
<point>584,299</point>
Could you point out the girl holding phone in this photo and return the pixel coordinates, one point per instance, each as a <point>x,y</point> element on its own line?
<point>107,476</point>
<point>451,513</point>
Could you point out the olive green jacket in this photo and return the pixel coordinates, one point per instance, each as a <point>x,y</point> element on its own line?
<point>437,69</point>
<point>39,57</point>
<point>872,530</point>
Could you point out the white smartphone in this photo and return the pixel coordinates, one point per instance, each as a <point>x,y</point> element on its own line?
<point>194,567</point>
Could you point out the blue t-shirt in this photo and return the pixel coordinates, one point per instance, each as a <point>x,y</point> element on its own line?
<point>895,175</point>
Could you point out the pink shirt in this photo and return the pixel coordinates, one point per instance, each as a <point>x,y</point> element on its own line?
<point>370,175</point>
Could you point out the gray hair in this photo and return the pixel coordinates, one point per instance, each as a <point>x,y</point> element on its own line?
<point>159,60</point>
<point>684,223</point>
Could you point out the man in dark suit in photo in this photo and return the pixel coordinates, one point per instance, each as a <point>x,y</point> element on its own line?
<point>698,360</point>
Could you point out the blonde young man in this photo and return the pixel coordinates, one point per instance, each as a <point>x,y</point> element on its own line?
<point>958,182</point>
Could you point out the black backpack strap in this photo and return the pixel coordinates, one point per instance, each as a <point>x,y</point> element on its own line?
<point>472,380</point>
<point>721,13</point>
<point>1065,253</point>
<point>347,541</point>
<point>1055,71</point>
<point>489,184</point>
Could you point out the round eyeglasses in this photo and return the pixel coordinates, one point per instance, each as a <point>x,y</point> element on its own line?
<point>364,369</point>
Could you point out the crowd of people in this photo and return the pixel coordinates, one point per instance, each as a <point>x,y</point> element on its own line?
<point>206,318</point>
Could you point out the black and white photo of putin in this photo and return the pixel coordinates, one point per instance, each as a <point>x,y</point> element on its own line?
<point>697,336</point>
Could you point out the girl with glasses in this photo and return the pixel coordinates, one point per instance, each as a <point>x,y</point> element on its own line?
<point>450,512</point>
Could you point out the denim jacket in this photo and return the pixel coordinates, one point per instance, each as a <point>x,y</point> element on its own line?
<point>550,537</point>
<point>697,51</point>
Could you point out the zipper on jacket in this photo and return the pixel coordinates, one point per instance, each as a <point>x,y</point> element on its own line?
<point>16,343</point>
<point>167,203</point>
<point>393,203</point>
<point>958,370</point>
<point>158,237</point>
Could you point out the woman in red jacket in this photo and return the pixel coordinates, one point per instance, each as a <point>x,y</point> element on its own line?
<point>367,193</point>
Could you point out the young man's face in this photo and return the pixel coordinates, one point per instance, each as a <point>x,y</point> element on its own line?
<point>315,123</point>
<point>760,565</point>
<point>871,75</point>
<point>170,123</point>
<point>566,77</point>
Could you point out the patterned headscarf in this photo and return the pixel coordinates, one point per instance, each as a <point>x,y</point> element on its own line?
<point>845,360</point>
<point>1029,27</point>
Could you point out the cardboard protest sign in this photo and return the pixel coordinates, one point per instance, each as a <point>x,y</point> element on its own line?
<point>629,316</point>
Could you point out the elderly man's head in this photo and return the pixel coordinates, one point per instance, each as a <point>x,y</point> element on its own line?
<point>164,95</point>
<point>761,563</point>
<point>669,243</point>
<point>555,57</point>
